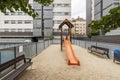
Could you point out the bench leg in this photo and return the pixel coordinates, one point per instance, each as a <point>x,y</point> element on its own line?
<point>106,53</point>
<point>113,60</point>
<point>108,56</point>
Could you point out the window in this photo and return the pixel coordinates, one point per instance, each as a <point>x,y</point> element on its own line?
<point>19,21</point>
<point>6,21</point>
<point>19,30</point>
<point>25,14</point>
<point>38,9</point>
<point>19,13</point>
<point>67,13</point>
<point>57,22</point>
<point>13,22</point>
<point>6,30</point>
<point>57,5</point>
<point>28,21</point>
<point>2,30</point>
<point>61,13</point>
<point>116,3</point>
<point>13,13</point>
<point>66,5</point>
<point>7,13</point>
<point>13,30</point>
<point>61,5</point>
<point>83,24</point>
<point>54,5</point>
<point>27,30</point>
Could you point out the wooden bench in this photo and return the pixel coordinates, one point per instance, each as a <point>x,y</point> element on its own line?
<point>103,51</point>
<point>16,71</point>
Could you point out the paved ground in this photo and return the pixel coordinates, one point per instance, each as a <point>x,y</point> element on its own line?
<point>51,64</point>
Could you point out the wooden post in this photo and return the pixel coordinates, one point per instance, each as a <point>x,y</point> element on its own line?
<point>69,33</point>
<point>61,39</point>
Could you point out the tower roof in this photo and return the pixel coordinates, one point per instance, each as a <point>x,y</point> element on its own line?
<point>67,22</point>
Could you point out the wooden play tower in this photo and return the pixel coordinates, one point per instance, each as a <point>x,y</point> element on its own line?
<point>70,25</point>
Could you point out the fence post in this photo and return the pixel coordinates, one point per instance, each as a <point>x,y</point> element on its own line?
<point>75,42</point>
<point>0,58</point>
<point>52,41</point>
<point>96,43</point>
<point>48,42</point>
<point>36,49</point>
<point>44,43</point>
<point>79,42</point>
<point>15,51</point>
<point>85,43</point>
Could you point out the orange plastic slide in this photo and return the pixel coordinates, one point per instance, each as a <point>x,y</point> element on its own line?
<point>72,59</point>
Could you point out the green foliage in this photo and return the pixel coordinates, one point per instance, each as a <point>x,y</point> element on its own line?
<point>107,22</point>
<point>21,5</point>
<point>115,15</point>
<point>44,2</point>
<point>93,33</point>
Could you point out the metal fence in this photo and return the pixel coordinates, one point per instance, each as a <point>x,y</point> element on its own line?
<point>86,44</point>
<point>30,50</point>
<point>10,51</point>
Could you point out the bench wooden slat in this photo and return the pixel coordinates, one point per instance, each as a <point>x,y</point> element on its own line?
<point>11,62</point>
<point>16,72</point>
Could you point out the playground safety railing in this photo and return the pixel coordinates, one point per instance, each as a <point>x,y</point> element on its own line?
<point>10,51</point>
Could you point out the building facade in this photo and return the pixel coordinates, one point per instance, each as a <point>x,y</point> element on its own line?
<point>102,7</point>
<point>88,12</point>
<point>79,26</point>
<point>16,22</point>
<point>61,11</point>
<point>47,20</point>
<point>19,22</point>
<point>95,9</point>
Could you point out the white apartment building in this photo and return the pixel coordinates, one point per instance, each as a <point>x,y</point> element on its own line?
<point>61,11</point>
<point>16,22</point>
<point>21,23</point>
<point>79,26</point>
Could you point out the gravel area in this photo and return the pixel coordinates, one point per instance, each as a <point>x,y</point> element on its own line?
<point>51,64</point>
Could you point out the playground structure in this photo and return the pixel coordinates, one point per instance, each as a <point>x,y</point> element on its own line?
<point>72,59</point>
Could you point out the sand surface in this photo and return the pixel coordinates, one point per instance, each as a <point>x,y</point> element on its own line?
<point>51,64</point>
